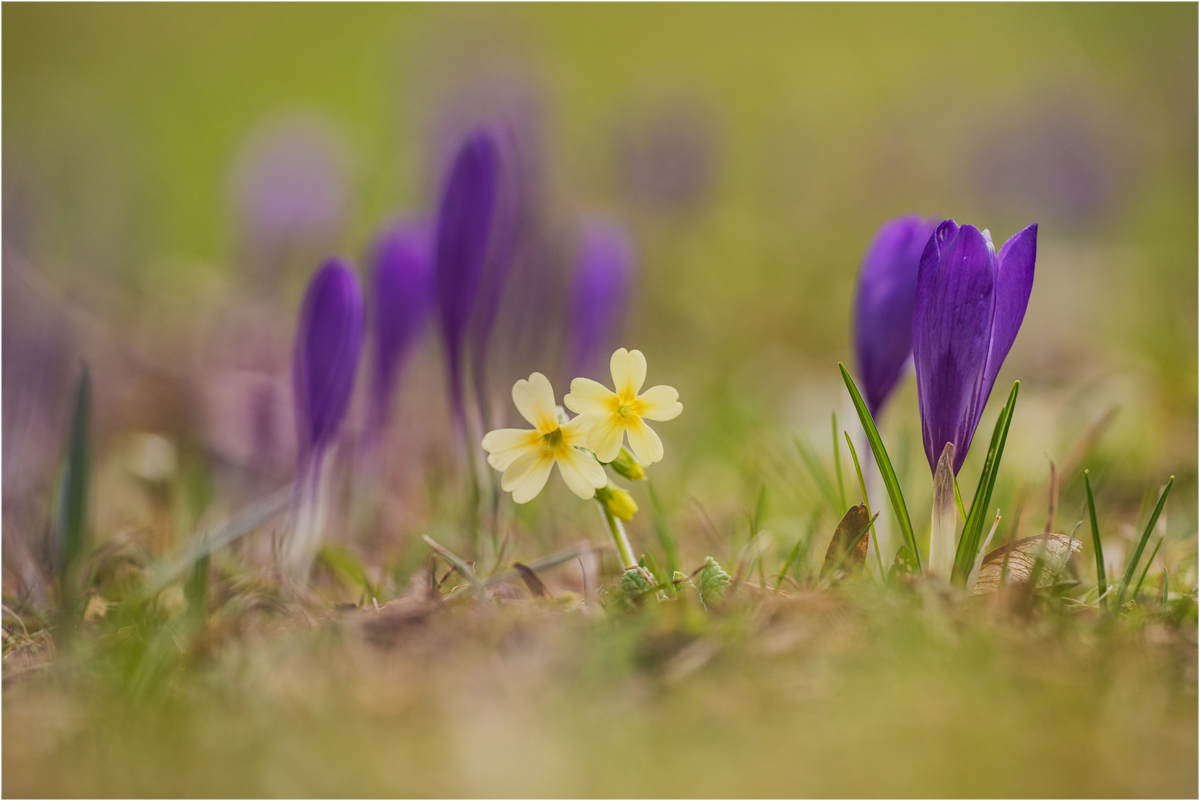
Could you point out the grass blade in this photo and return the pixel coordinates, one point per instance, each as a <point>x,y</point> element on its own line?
<point>817,472</point>
<point>72,517</point>
<point>662,531</point>
<point>885,465</point>
<point>1101,578</point>
<point>1141,546</point>
<point>837,466</point>
<point>1146,570</point>
<point>787,563</point>
<point>968,543</point>
<point>862,486</point>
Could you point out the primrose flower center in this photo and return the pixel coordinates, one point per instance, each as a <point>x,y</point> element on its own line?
<point>552,441</point>
<point>624,409</point>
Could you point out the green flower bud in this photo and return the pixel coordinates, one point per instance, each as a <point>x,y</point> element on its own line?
<point>625,465</point>
<point>617,501</point>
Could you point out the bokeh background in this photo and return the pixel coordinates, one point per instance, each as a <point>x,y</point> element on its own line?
<point>174,173</point>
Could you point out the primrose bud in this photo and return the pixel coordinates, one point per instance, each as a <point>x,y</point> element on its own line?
<point>625,465</point>
<point>617,502</point>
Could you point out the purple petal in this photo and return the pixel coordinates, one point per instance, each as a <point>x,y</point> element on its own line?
<point>461,247</point>
<point>402,289</point>
<point>952,324</point>
<point>325,359</point>
<point>887,291</point>
<point>1014,284</point>
<point>600,292</point>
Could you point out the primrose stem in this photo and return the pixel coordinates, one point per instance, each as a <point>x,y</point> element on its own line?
<point>624,549</point>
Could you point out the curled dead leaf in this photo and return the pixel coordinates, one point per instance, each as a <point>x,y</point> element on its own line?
<point>847,550</point>
<point>1044,555</point>
<point>531,580</point>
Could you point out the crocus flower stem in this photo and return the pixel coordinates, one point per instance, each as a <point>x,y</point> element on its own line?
<point>942,522</point>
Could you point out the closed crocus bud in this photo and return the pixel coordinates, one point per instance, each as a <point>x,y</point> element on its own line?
<point>600,292</point>
<point>328,341</point>
<point>883,306</point>
<point>969,307</point>
<point>402,291</point>
<point>463,231</point>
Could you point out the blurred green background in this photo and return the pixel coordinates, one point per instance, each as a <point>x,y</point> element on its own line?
<point>754,150</point>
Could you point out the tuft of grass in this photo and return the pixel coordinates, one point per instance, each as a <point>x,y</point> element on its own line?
<point>809,457</point>
<point>1141,546</point>
<point>1101,579</point>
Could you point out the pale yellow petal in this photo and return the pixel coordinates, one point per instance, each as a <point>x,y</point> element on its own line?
<point>644,443</point>
<point>505,444</point>
<point>628,372</point>
<point>582,473</point>
<point>587,395</point>
<point>658,403</point>
<point>604,435</point>
<point>525,477</point>
<point>576,431</point>
<point>535,401</point>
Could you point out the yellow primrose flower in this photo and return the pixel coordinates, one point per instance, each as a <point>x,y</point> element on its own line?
<point>526,457</point>
<point>607,416</point>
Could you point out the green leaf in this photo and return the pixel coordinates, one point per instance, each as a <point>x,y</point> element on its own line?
<point>636,582</point>
<point>1101,579</point>
<point>787,563</point>
<point>346,567</point>
<point>885,466</point>
<point>1141,546</point>
<point>713,582</point>
<point>969,542</point>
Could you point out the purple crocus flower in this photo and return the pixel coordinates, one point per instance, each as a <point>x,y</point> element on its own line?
<point>461,247</point>
<point>883,306</point>
<point>328,341</point>
<point>600,291</point>
<point>970,304</point>
<point>402,288</point>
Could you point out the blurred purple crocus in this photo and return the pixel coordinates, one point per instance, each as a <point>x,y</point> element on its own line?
<point>600,292</point>
<point>461,246</point>
<point>325,359</point>
<point>883,306</point>
<point>969,307</point>
<point>402,290</point>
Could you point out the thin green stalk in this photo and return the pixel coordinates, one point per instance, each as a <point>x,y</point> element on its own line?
<point>837,466</point>
<point>1149,562</point>
<point>1101,578</point>
<point>620,540</point>
<point>1166,584</point>
<point>787,563</point>
<point>662,531</point>
<point>885,466</point>
<point>862,486</point>
<point>1137,553</point>
<point>962,513</point>
<point>817,472</point>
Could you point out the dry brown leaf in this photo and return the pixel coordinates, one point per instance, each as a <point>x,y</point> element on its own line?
<point>851,533</point>
<point>531,580</point>
<point>1022,557</point>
